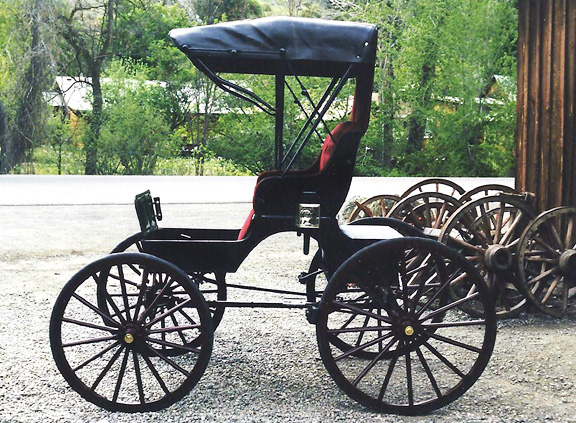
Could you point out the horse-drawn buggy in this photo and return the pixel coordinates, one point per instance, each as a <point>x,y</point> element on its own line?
<point>134,331</point>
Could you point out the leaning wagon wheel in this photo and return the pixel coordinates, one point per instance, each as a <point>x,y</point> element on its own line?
<point>485,191</point>
<point>420,351</point>
<point>426,210</point>
<point>377,206</point>
<point>437,185</point>
<point>113,358</point>
<point>212,285</point>
<point>487,232</point>
<point>547,261</point>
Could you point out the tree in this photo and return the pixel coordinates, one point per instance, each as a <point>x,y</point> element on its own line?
<point>28,79</point>
<point>210,11</point>
<point>133,135</point>
<point>88,27</point>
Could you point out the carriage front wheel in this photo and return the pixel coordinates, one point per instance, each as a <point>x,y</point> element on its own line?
<point>413,350</point>
<point>114,356</point>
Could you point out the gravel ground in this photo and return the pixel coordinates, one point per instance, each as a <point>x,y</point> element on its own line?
<point>265,365</point>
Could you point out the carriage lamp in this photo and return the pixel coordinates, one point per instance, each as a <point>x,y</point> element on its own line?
<point>308,216</point>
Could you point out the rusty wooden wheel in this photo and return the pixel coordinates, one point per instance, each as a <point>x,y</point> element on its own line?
<point>547,261</point>
<point>428,211</point>
<point>485,191</point>
<point>377,206</point>
<point>437,185</point>
<point>487,232</point>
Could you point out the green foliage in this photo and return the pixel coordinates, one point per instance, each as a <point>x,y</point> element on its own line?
<point>134,135</point>
<point>435,61</point>
<point>210,11</point>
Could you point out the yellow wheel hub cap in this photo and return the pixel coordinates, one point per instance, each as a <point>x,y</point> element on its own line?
<point>128,338</point>
<point>409,330</point>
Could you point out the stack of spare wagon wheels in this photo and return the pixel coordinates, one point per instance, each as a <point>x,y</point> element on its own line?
<point>523,258</point>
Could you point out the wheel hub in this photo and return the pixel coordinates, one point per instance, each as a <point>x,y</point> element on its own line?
<point>568,262</point>
<point>498,257</point>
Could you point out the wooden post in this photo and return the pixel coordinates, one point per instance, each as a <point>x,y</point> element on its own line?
<point>546,125</point>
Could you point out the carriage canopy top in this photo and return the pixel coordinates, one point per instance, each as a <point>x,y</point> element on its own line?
<point>312,47</point>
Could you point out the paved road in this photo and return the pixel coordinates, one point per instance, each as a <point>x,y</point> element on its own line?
<point>81,190</point>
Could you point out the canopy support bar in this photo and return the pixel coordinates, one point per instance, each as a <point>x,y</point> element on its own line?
<point>279,134</point>
<point>234,89</point>
<point>320,116</point>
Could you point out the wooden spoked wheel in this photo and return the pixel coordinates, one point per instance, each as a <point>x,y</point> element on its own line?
<point>377,206</point>
<point>426,210</point>
<point>487,232</point>
<point>547,261</point>
<point>485,191</point>
<point>437,185</point>
<point>115,358</point>
<point>413,350</point>
<point>212,285</point>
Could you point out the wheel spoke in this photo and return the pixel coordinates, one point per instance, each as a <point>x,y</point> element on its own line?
<point>551,289</point>
<point>89,325</point>
<point>454,342</point>
<point>120,376</point>
<point>167,360</point>
<point>363,346</point>
<point>106,368</point>
<point>138,377</point>
<point>370,365</point>
<point>173,345</point>
<point>359,329</point>
<point>444,360</point>
<point>152,306</point>
<point>387,378</point>
<point>175,328</point>
<point>179,331</point>
<point>498,228</point>
<point>512,228</point>
<point>429,373</point>
<point>409,378</point>
<point>124,291</point>
<point>96,356</point>
<point>450,306</point>
<point>362,312</point>
<point>96,310</point>
<point>89,341</point>
<point>434,325</point>
<point>156,374</point>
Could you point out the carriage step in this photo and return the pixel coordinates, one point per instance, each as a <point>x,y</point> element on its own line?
<point>294,301</point>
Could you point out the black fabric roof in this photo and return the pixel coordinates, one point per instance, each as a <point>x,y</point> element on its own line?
<point>264,46</point>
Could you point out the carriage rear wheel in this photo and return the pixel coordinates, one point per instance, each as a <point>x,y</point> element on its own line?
<point>391,302</point>
<point>547,261</point>
<point>212,285</point>
<point>115,357</point>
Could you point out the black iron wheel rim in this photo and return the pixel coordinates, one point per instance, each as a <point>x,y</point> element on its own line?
<point>347,378</point>
<point>122,368</point>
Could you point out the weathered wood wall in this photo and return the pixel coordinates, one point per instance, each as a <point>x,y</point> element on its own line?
<point>546,126</point>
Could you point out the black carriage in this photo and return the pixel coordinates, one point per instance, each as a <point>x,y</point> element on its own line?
<point>133,331</point>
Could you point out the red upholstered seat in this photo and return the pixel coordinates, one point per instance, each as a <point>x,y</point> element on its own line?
<point>328,148</point>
